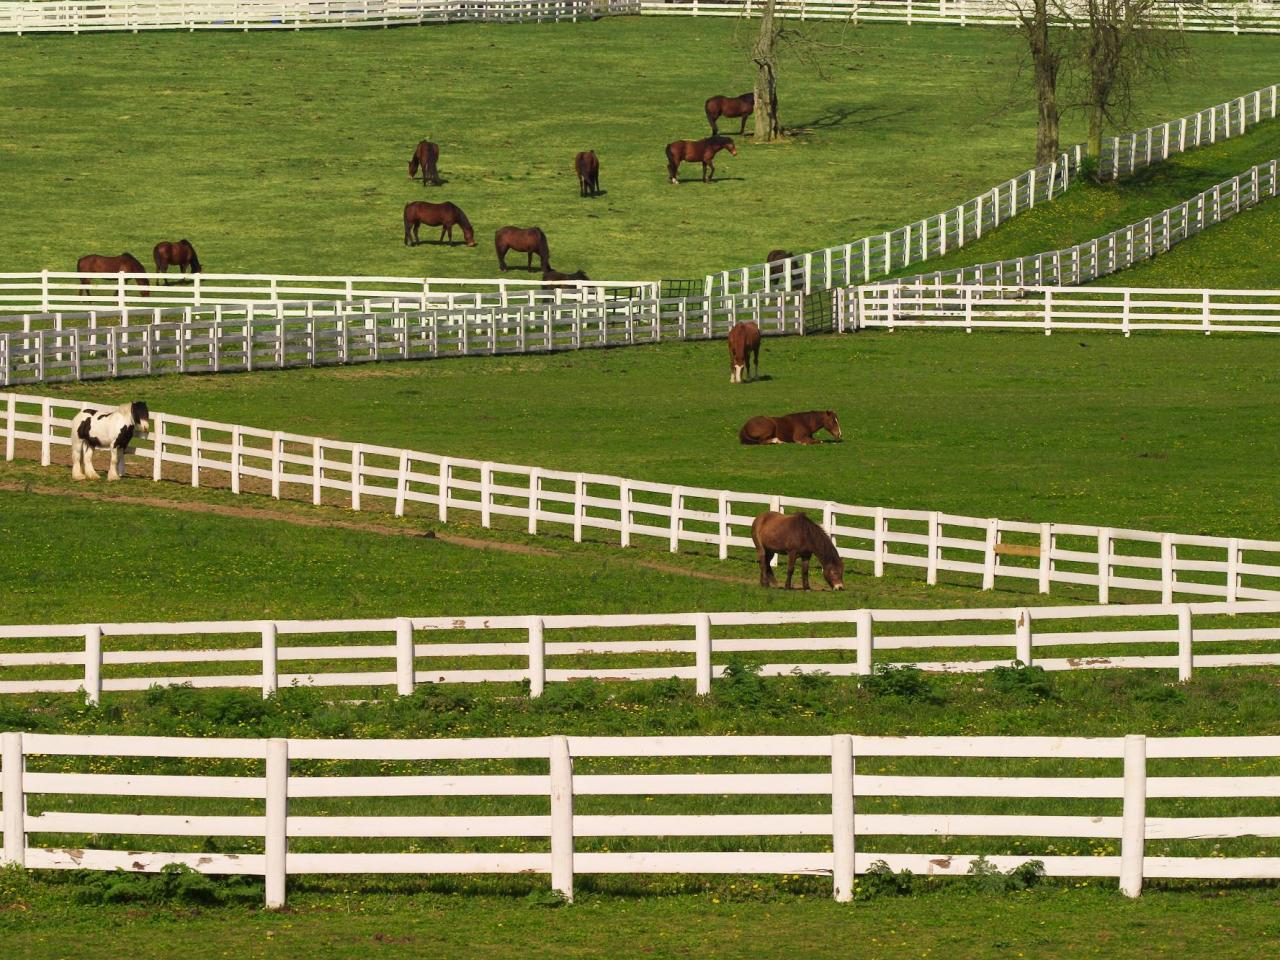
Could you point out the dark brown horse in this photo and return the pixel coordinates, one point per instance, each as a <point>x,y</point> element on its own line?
<point>744,343</point>
<point>793,428</point>
<point>443,215</point>
<point>424,158</point>
<point>796,536</point>
<point>587,166</point>
<point>700,151</point>
<point>731,107</point>
<point>557,275</point>
<point>97,263</point>
<point>776,261</point>
<point>181,254</point>
<point>528,240</point>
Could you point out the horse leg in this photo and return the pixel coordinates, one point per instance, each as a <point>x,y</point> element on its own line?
<point>804,572</point>
<point>791,568</point>
<point>502,258</point>
<point>762,558</point>
<point>115,468</point>
<point>89,472</point>
<point>743,129</point>
<point>77,458</point>
<point>529,263</point>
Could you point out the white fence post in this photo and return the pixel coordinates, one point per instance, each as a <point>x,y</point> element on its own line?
<point>93,664</point>
<point>404,656</point>
<point>1046,556</point>
<point>276,840</point>
<point>989,555</point>
<point>1104,565</point>
<point>1022,640</point>
<point>535,499</point>
<point>863,641</point>
<point>1166,568</point>
<point>1186,635</point>
<point>561,818</point>
<point>935,548</point>
<point>842,813</point>
<point>702,654</point>
<point>677,505</point>
<point>270,664</point>
<point>15,802</point>
<point>1133,836</point>
<point>537,658</point>
<point>878,543</point>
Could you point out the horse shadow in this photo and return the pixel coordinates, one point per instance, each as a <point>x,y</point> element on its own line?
<point>716,180</point>
<point>437,243</point>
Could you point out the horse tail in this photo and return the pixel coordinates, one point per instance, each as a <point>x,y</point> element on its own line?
<point>543,250</point>
<point>195,260</point>
<point>672,164</point>
<point>157,254</point>
<point>408,221</point>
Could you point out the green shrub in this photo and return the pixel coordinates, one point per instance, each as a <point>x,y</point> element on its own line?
<point>905,682</point>
<point>1021,680</point>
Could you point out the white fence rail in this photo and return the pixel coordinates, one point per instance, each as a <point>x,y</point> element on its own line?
<point>1122,248</point>
<point>1120,309</point>
<point>692,646</point>
<point>92,16</point>
<point>584,805</point>
<point>279,335</point>
<point>370,476</point>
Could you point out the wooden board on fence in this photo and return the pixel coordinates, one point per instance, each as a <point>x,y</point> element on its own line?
<point>1017,550</point>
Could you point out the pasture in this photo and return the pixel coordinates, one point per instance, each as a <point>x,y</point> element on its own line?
<point>262,149</point>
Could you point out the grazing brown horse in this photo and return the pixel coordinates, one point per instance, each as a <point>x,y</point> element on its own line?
<point>587,166</point>
<point>793,428</point>
<point>424,158</point>
<point>701,151</point>
<point>557,275</point>
<point>796,536</point>
<point>744,343</point>
<point>181,254</point>
<point>97,263</point>
<point>528,240</point>
<point>731,107</point>
<point>443,215</point>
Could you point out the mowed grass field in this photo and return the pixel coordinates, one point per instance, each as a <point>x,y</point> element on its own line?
<point>287,152</point>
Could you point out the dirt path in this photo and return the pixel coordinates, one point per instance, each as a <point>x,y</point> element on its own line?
<point>363,526</point>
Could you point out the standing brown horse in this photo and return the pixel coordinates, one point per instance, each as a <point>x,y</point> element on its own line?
<point>793,428</point>
<point>528,240</point>
<point>424,157</point>
<point>181,254</point>
<point>97,263</point>
<point>744,342</point>
<point>702,151</point>
<point>796,536</point>
<point>587,166</point>
<point>731,107</point>
<point>443,215</point>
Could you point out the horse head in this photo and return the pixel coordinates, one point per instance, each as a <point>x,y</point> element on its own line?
<point>140,415</point>
<point>727,143</point>
<point>832,423</point>
<point>833,573</point>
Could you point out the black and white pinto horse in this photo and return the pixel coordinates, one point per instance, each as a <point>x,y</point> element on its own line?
<point>113,429</point>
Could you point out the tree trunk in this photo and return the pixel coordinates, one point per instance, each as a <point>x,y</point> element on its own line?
<point>1096,112</point>
<point>768,127</point>
<point>1045,66</point>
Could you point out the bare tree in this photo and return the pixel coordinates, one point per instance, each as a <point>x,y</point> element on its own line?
<point>765,56</point>
<point>1035,19</point>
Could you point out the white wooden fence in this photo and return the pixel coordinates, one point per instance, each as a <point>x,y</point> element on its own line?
<point>585,805</point>
<point>371,476</point>
<point>694,646</point>
<point>85,16</point>
<point>1122,248</point>
<point>1120,309</point>
<point>279,335</point>
<point>863,260</point>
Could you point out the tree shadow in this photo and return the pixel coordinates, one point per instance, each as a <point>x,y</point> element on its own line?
<point>839,116</point>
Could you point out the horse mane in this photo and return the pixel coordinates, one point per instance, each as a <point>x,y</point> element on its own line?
<point>816,539</point>
<point>462,217</point>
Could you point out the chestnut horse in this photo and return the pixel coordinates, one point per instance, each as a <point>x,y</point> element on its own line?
<point>180,254</point>
<point>424,157</point>
<point>744,342</point>
<point>443,215</point>
<point>702,151</point>
<point>793,428</point>
<point>528,240</point>
<point>587,166</point>
<point>731,107</point>
<point>796,536</point>
<point>97,263</point>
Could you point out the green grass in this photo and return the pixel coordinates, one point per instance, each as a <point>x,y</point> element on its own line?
<point>286,153</point>
<point>1163,432</point>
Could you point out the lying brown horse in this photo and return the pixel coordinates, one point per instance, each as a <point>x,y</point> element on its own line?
<point>744,343</point>
<point>793,428</point>
<point>97,263</point>
<point>528,240</point>
<point>796,536</point>
<point>181,254</point>
<point>700,151</point>
<point>443,215</point>
<point>587,166</point>
<point>557,275</point>
<point>424,158</point>
<point>731,107</point>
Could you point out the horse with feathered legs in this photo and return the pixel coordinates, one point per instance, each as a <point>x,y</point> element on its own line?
<point>92,428</point>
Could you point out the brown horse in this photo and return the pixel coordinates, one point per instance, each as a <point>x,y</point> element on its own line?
<point>557,275</point>
<point>776,261</point>
<point>443,215</point>
<point>796,536</point>
<point>587,166</point>
<point>181,254</point>
<point>424,158</point>
<point>731,107</point>
<point>793,428</point>
<point>701,151</point>
<point>97,263</point>
<point>528,240</point>
<point>744,343</point>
